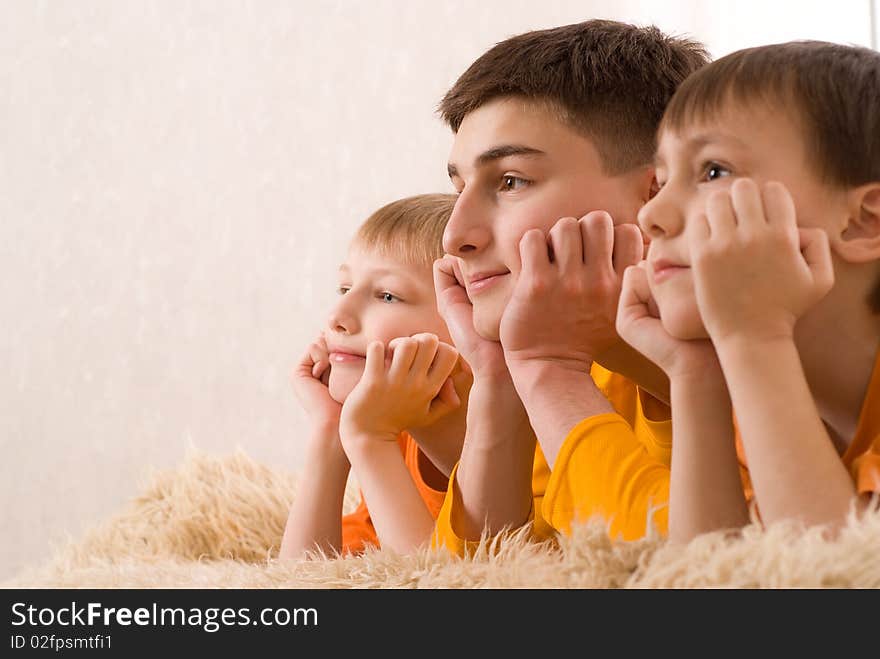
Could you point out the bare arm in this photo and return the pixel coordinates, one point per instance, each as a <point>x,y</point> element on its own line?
<point>705,490</point>
<point>795,470</point>
<point>493,481</point>
<point>494,476</point>
<point>399,515</point>
<point>755,273</point>
<point>557,398</point>
<point>315,517</point>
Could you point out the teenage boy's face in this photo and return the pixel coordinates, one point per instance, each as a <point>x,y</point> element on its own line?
<point>706,156</point>
<point>516,167</point>
<point>380,299</point>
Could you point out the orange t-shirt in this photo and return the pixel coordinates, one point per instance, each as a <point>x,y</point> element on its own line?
<point>357,527</point>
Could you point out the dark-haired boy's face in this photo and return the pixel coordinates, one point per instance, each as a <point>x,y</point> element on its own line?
<point>516,167</point>
<point>703,157</point>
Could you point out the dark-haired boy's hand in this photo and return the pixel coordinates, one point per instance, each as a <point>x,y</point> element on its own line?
<point>484,357</point>
<point>564,306</point>
<point>755,271</point>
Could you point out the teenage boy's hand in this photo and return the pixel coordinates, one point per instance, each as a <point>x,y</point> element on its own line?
<point>756,272</point>
<point>484,357</point>
<point>563,308</point>
<point>309,380</point>
<point>412,389</point>
<point>638,323</point>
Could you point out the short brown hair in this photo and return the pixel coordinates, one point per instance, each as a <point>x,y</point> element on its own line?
<point>834,90</point>
<point>410,229</point>
<point>610,81</point>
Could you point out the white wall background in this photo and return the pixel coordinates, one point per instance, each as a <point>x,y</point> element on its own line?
<point>178,182</point>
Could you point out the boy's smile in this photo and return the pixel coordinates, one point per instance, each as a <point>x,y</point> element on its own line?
<point>381,298</point>
<point>705,157</point>
<point>518,166</point>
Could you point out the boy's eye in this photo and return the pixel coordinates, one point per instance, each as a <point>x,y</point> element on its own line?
<point>510,182</point>
<point>342,290</point>
<point>713,171</point>
<point>385,296</point>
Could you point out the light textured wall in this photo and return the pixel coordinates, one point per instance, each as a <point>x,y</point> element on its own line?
<point>178,182</point>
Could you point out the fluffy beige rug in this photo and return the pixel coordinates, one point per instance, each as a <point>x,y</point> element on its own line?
<point>217,522</point>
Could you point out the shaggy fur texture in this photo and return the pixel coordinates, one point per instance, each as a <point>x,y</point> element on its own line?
<point>217,522</point>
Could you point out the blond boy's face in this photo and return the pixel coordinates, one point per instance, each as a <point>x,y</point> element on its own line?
<point>516,167</point>
<point>742,141</point>
<point>380,299</point>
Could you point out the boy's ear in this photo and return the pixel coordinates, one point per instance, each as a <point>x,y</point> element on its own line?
<point>647,184</point>
<point>860,240</point>
<point>655,187</point>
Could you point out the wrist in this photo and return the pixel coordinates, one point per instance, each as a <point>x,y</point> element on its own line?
<point>357,438</point>
<point>746,348</point>
<point>361,445</point>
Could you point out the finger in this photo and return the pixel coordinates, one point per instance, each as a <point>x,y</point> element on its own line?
<point>402,358</point>
<point>445,361</point>
<point>597,231</point>
<point>629,247</point>
<point>779,206</point>
<point>817,254</point>
<point>745,199</point>
<point>534,257</point>
<point>567,245</point>
<point>635,295</point>
<point>426,348</point>
<point>374,369</point>
<point>444,275</point>
<point>447,398</point>
<point>720,216</point>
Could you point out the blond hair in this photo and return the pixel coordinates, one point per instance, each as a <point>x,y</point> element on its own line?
<point>409,229</point>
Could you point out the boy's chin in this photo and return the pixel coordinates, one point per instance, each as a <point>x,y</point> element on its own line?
<point>340,386</point>
<point>487,322</point>
<point>684,326</point>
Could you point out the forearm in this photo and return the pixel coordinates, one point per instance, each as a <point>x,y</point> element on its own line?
<point>705,492</point>
<point>494,476</point>
<point>314,521</point>
<point>795,470</point>
<point>556,399</point>
<point>399,515</point>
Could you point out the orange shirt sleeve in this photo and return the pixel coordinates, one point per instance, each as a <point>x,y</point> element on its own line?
<point>445,534</point>
<point>358,531</point>
<point>604,470</point>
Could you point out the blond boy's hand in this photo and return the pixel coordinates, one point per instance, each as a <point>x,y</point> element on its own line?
<point>638,323</point>
<point>563,309</point>
<point>309,380</point>
<point>756,272</point>
<point>484,357</point>
<point>412,388</point>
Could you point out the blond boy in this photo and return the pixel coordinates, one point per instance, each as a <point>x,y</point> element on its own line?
<point>384,390</point>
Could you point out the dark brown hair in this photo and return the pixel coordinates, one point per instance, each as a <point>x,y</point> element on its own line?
<point>610,81</point>
<point>410,229</point>
<point>833,89</point>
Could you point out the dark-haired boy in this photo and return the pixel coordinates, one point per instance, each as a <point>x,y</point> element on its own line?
<point>765,240</point>
<point>554,124</point>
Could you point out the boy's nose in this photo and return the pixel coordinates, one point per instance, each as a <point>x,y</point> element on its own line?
<point>661,217</point>
<point>468,227</point>
<point>342,319</point>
